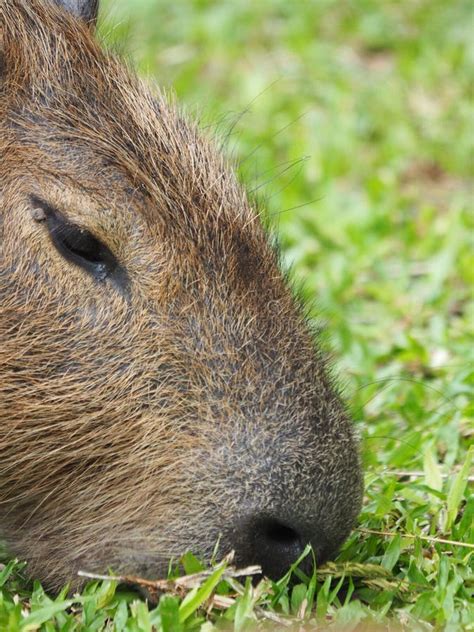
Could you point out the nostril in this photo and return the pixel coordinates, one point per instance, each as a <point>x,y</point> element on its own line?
<point>280,534</point>
<point>276,546</point>
<point>276,540</point>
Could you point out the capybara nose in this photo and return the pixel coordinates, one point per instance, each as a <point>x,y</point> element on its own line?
<point>274,546</point>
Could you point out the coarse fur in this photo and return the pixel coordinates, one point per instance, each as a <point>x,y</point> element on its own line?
<point>151,413</point>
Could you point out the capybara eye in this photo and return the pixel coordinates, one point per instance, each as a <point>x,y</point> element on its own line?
<point>77,244</point>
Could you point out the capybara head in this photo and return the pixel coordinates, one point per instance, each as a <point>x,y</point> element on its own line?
<point>160,386</point>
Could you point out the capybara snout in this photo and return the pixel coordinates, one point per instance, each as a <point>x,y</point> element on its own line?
<point>160,386</point>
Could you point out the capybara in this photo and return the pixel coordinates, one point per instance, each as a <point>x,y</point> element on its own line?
<point>161,388</point>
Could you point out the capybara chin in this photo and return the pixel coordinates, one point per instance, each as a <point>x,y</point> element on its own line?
<point>160,386</point>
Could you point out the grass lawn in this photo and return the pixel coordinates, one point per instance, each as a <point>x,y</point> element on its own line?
<point>351,123</point>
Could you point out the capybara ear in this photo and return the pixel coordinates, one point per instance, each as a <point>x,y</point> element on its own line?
<point>87,10</point>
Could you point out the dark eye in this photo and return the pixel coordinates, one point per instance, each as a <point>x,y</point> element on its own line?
<point>78,245</point>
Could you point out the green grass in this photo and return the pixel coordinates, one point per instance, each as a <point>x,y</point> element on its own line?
<point>352,123</point>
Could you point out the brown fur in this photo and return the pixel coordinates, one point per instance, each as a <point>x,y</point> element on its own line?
<point>137,424</point>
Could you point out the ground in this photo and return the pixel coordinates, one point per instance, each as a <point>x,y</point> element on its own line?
<point>352,124</point>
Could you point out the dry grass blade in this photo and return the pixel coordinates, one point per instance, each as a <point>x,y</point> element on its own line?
<point>348,569</point>
<point>180,584</point>
<point>221,602</point>
<point>426,538</point>
<point>272,616</point>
